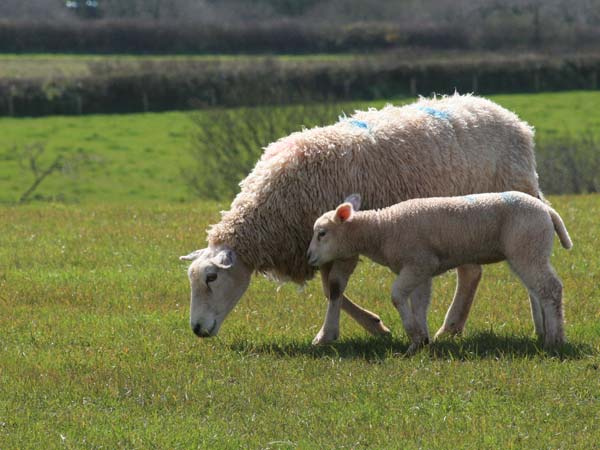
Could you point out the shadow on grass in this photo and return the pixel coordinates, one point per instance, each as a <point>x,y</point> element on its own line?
<point>479,346</point>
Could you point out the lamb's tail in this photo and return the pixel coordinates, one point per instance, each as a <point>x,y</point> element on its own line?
<point>561,230</point>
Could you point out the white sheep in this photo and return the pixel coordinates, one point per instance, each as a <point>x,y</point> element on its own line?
<point>435,147</point>
<point>421,238</point>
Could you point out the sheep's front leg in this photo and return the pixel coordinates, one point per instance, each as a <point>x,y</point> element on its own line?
<point>334,277</point>
<point>411,283</point>
<point>468,277</point>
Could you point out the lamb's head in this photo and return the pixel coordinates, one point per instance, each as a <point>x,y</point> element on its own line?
<point>330,239</point>
<point>218,279</point>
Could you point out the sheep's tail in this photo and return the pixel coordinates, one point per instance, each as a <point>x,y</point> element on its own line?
<point>561,230</point>
<point>541,197</point>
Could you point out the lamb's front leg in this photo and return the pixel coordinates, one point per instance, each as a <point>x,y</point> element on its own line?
<point>412,283</point>
<point>334,277</point>
<point>419,303</point>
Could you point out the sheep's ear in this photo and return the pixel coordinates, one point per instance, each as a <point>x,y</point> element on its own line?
<point>344,212</point>
<point>224,259</point>
<point>354,200</point>
<point>192,256</point>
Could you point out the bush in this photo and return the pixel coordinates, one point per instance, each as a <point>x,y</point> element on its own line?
<point>569,166</point>
<point>227,143</point>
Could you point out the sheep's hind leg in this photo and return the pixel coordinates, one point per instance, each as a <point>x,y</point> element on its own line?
<point>365,318</point>
<point>334,278</point>
<point>468,277</point>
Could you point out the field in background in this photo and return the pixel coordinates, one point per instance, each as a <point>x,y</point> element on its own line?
<point>96,349</point>
<point>44,65</point>
<point>142,156</point>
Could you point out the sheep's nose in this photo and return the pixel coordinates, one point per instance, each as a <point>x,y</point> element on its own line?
<point>200,332</point>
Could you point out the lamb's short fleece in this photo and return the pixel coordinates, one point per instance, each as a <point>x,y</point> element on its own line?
<point>421,238</point>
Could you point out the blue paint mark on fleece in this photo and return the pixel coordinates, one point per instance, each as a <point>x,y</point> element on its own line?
<point>359,124</point>
<point>435,112</point>
<point>470,198</point>
<point>508,197</point>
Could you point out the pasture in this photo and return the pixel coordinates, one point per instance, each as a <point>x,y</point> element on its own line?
<point>142,156</point>
<point>96,350</point>
<point>47,66</point>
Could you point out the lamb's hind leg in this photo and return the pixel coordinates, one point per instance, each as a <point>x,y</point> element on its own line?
<point>468,277</point>
<point>537,314</point>
<point>545,287</point>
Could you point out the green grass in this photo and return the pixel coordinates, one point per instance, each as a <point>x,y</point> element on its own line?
<point>141,156</point>
<point>45,65</point>
<point>95,349</point>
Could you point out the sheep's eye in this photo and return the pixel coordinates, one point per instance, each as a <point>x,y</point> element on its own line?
<point>321,233</point>
<point>211,277</point>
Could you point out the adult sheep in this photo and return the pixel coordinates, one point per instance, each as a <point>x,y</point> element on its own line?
<point>447,146</point>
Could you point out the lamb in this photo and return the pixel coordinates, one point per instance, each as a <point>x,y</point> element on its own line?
<point>421,238</point>
<point>435,147</point>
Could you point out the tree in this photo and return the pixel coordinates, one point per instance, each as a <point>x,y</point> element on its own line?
<point>33,9</point>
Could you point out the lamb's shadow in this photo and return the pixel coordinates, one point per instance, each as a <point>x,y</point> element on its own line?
<point>478,346</point>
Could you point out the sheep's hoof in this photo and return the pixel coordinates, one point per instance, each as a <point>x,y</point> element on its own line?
<point>324,338</point>
<point>377,328</point>
<point>451,332</point>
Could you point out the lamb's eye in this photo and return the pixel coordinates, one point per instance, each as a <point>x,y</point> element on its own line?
<point>321,233</point>
<point>210,277</point>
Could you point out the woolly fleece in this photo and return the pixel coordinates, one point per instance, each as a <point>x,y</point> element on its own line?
<point>472,145</point>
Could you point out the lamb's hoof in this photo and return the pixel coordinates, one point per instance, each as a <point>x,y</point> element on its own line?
<point>415,346</point>
<point>323,338</point>
<point>553,342</point>
<point>450,332</point>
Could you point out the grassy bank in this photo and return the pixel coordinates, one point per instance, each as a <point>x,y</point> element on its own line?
<point>96,350</point>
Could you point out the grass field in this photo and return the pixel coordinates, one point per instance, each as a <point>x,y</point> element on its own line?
<point>96,351</point>
<point>44,65</point>
<point>141,156</point>
<point>64,65</point>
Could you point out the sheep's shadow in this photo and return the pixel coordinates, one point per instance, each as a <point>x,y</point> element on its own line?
<point>478,346</point>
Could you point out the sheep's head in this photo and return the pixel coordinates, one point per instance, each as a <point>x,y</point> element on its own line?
<point>330,237</point>
<point>218,279</point>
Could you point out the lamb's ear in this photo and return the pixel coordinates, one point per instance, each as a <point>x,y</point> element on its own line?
<point>192,256</point>
<point>354,200</point>
<point>224,259</point>
<point>344,212</point>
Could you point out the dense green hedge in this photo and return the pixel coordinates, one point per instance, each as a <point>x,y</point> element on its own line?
<point>164,86</point>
